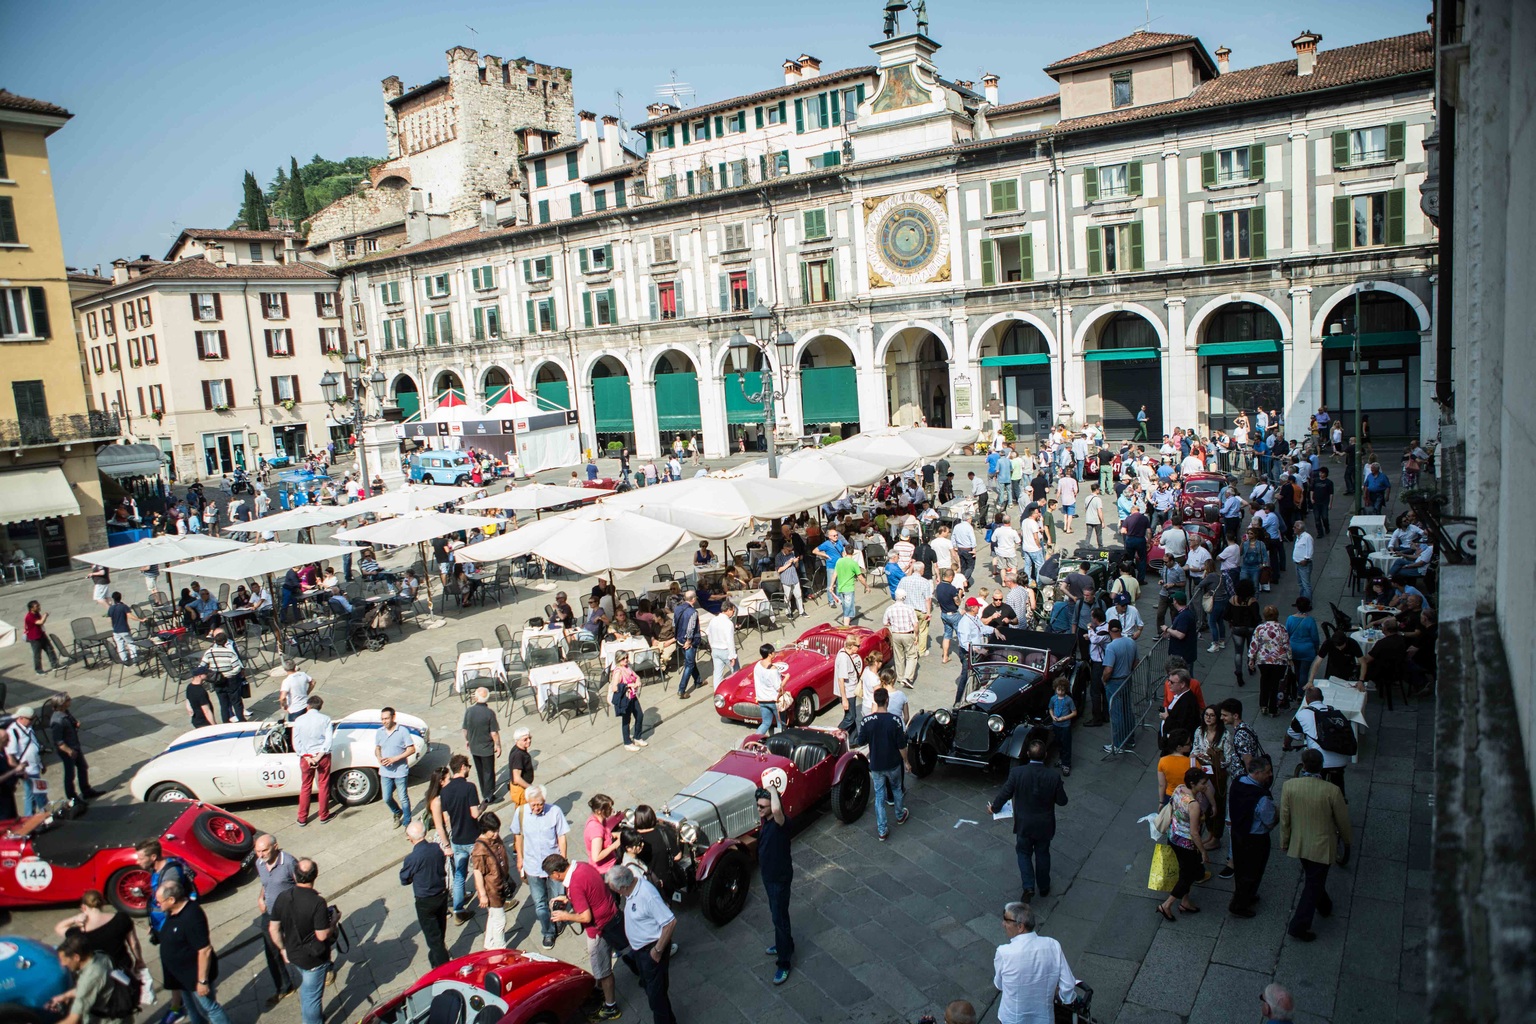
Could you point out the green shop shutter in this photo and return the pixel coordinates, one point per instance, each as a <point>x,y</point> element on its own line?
<point>1212,238</point>
<point>737,408</point>
<point>1090,184</point>
<point>1026,258</point>
<point>1095,251</point>
<point>799,117</point>
<point>1256,161</point>
<point>1137,263</point>
<point>829,394</point>
<point>1133,178</point>
<point>988,263</point>
<point>1397,140</point>
<point>612,406</point>
<point>555,394</point>
<point>1343,224</point>
<point>757,112</point>
<point>1258,232</point>
<point>1397,222</point>
<point>409,403</point>
<point>586,308</point>
<point>1208,168</point>
<point>677,401</point>
<point>1340,150</point>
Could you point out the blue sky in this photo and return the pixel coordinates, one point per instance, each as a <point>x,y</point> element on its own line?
<point>173,101</point>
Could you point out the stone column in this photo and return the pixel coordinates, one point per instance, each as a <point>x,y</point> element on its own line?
<point>791,411</point>
<point>872,407</point>
<point>961,366</point>
<point>717,438</point>
<point>1302,365</point>
<point>1173,210</point>
<point>587,415</point>
<point>1071,388</point>
<point>1181,371</point>
<point>642,397</point>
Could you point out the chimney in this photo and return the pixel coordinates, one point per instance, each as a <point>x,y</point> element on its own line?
<point>393,87</point>
<point>214,253</point>
<point>533,141</point>
<point>810,66</point>
<point>610,150</point>
<point>989,85</point>
<point>1223,59</point>
<point>417,228</point>
<point>1306,52</point>
<point>588,125</point>
<point>792,71</point>
<point>119,271</point>
<point>965,83</point>
<point>660,109</point>
<point>487,212</point>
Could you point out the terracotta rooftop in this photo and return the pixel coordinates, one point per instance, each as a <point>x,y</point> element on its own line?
<point>751,99</point>
<point>1136,42</point>
<point>197,268</point>
<point>28,105</point>
<point>1020,106</point>
<point>1344,66</point>
<point>226,235</point>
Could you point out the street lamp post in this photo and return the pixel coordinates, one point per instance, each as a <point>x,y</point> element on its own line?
<point>353,389</point>
<point>763,322</point>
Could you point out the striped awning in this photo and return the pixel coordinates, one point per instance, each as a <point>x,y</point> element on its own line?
<point>36,492</point>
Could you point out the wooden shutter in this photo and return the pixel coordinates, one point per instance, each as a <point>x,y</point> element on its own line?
<point>218,307</point>
<point>38,300</point>
<point>549,307</point>
<point>319,304</point>
<point>229,392</point>
<point>799,117</point>
<point>479,324</point>
<point>1133,178</point>
<point>1397,220</point>
<point>805,282</point>
<point>677,301</point>
<point>1258,232</point>
<point>620,198</point>
<point>1343,224</point>
<point>655,302</point>
<point>528,271</point>
<point>207,394</point>
<point>831,278</point>
<point>1137,261</point>
<point>725,293</point>
<point>389,335</point>
<point>821,109</point>
<point>581,258</point>
<point>859,90</point>
<point>8,232</point>
<point>272,349</point>
<point>223,345</point>
<point>1397,140</point>
<point>197,343</point>
<point>1208,168</point>
<point>282,299</point>
<point>142,409</point>
<point>1340,149</point>
<point>1256,161</point>
<point>1212,224</point>
<point>751,288</point>
<point>719,126</point>
<point>1095,251</point>
<point>431,335</point>
<point>294,381</point>
<point>1090,184</point>
<point>783,111</point>
<point>341,340</point>
<point>613,307</point>
<point>533,325</point>
<point>988,262</point>
<point>1026,258</point>
<point>446,328</point>
<point>757,112</point>
<point>193,297</point>
<point>586,309</point>
<point>275,396</point>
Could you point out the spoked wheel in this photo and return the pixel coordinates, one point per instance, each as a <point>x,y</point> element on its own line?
<point>725,890</point>
<point>128,889</point>
<point>223,834</point>
<point>850,795</point>
<point>804,711</point>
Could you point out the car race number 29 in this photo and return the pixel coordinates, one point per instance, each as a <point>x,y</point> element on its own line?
<point>34,875</point>
<point>274,777</point>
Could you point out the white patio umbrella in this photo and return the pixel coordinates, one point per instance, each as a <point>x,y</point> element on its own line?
<point>700,524</point>
<point>535,498</point>
<point>590,540</point>
<point>7,634</point>
<point>407,499</point>
<point>304,517</point>
<point>417,528</point>
<point>922,442</point>
<point>817,466</point>
<point>265,559</point>
<point>162,550</point>
<point>731,497</point>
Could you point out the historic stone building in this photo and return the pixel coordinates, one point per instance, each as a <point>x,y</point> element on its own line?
<point>1165,231</point>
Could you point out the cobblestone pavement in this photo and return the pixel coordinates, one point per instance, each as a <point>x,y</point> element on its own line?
<point>885,932</point>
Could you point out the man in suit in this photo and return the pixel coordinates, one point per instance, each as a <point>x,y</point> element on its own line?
<point>1183,710</point>
<point>1312,813</point>
<point>1036,791</point>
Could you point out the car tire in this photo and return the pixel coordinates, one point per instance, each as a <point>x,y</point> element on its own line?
<point>924,758</point>
<point>803,712</point>
<point>128,890</point>
<point>850,794</point>
<point>223,834</point>
<point>354,787</point>
<point>724,893</point>
<point>460,480</point>
<point>169,792</point>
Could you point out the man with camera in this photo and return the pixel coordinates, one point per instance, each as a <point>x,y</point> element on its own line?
<point>302,927</point>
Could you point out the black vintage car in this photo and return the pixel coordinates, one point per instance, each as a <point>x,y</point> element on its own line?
<point>1009,695</point>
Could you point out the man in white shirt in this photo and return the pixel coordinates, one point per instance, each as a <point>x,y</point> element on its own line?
<point>313,733</point>
<point>964,538</point>
<point>1174,540</point>
<point>1033,543</point>
<point>1125,613</point>
<point>648,926</point>
<point>1030,971</point>
<point>1303,733</point>
<point>919,591</point>
<point>1005,548</point>
<point>1301,557</point>
<point>847,667</point>
<point>767,684</point>
<point>295,689</point>
<point>722,642</point>
<point>1191,464</point>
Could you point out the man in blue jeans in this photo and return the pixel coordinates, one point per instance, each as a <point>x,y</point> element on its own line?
<point>458,810</point>
<point>394,746</point>
<point>1119,661</point>
<point>778,875</point>
<point>887,740</point>
<point>301,928</point>
<point>685,626</point>
<point>538,830</point>
<point>1035,790</point>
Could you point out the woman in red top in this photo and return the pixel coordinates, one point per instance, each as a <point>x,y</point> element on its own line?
<point>33,625</point>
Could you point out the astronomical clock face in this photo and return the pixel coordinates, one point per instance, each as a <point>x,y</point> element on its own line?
<point>907,239</point>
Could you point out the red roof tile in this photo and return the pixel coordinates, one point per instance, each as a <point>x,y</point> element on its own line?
<point>227,235</point>
<point>197,268</point>
<point>1136,42</point>
<point>11,101</point>
<point>1019,106</point>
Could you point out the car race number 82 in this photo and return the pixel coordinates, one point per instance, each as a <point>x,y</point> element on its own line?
<point>34,875</point>
<point>274,778</point>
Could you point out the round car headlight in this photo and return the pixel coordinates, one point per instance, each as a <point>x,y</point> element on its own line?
<point>941,716</point>
<point>719,700</point>
<point>995,723</point>
<point>688,832</point>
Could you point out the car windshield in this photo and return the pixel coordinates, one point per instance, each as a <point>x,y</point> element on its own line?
<point>1203,487</point>
<point>273,739</point>
<point>823,646</point>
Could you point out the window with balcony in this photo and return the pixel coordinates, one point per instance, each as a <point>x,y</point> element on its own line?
<point>1112,181</point>
<point>482,279</point>
<point>206,306</point>
<point>389,293</point>
<point>1382,143</point>
<point>487,323</point>
<point>1238,165</point>
<point>736,170</point>
<point>327,304</point>
<point>1006,260</point>
<point>538,268</point>
<point>24,314</point>
<point>667,186</point>
<point>1115,248</point>
<point>1376,218</point>
<point>217,394</point>
<point>666,301</point>
<point>211,345</point>
<point>274,305</point>
<point>599,309</point>
<point>333,341</point>
<point>817,280</point>
<point>438,329</point>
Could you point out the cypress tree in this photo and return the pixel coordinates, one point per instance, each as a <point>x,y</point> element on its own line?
<point>254,211</point>
<point>298,208</point>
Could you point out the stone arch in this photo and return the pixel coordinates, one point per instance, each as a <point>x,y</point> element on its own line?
<point>1079,337</point>
<point>1197,322</point>
<point>447,379</point>
<point>824,332</point>
<point>882,347</point>
<point>397,386</point>
<point>548,362</point>
<point>650,364</point>
<point>591,361</point>
<point>978,337</point>
<point>1416,303</point>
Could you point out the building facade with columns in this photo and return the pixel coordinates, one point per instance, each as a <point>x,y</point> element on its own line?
<point>1165,231</point>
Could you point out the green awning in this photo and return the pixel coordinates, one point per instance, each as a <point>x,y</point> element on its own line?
<point>829,394</point>
<point>1119,355</point>
<point>1033,359</point>
<point>677,401</point>
<point>1239,348</point>
<point>409,403</point>
<point>1347,341</point>
<point>737,408</point>
<point>611,405</point>
<point>554,393</point>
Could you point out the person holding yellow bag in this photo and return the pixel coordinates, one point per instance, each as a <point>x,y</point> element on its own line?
<point>1185,839</point>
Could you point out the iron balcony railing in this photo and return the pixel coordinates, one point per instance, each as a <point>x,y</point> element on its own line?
<point>39,430</point>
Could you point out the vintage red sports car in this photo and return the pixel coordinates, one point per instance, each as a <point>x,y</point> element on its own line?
<point>499,986</point>
<point>810,660</point>
<point>1211,532</point>
<point>1201,491</point>
<point>46,859</point>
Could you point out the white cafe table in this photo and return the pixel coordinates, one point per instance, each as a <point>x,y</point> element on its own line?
<point>1366,638</point>
<point>612,647</point>
<point>1342,695</point>
<point>1383,559</point>
<point>1370,524</point>
<point>551,679</point>
<point>544,638</point>
<point>486,661</point>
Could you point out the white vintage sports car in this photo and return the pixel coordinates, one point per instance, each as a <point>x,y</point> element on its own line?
<point>255,761</point>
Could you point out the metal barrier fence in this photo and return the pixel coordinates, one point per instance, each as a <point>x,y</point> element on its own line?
<point>1134,703</point>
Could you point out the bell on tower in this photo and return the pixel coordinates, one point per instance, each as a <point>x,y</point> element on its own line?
<point>892,9</point>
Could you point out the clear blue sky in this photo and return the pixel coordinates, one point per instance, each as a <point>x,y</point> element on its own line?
<point>173,101</point>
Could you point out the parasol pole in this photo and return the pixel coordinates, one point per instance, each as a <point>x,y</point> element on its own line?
<point>277,618</point>
<point>431,621</point>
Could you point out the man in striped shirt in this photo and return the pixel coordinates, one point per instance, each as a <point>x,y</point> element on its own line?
<point>901,620</point>
<point>919,593</point>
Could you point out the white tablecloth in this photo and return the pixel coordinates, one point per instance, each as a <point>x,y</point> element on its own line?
<point>548,679</point>
<point>486,661</point>
<point>1370,524</point>
<point>1383,559</point>
<point>1342,695</point>
<point>613,647</point>
<point>543,637</point>
<point>1369,612</point>
<point>1366,638</point>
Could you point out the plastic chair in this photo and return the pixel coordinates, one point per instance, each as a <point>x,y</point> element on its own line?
<point>29,567</point>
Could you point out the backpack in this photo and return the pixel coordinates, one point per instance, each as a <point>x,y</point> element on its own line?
<point>119,996</point>
<point>1335,734</point>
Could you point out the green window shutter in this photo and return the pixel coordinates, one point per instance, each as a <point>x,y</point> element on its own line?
<point>620,197</point>
<point>575,204</point>
<point>1026,258</point>
<point>549,309</point>
<point>799,117</point>
<point>837,107</point>
<point>762,165</point>
<point>541,171</point>
<point>447,330</point>
<point>1397,140</point>
<point>686,138</point>
<point>613,307</point>
<point>527,271</point>
<point>586,308</point>
<point>474,278</point>
<point>650,146</point>
<point>725,293</point>
<point>751,288</point>
<point>479,324</point>
<point>1212,238</point>
<point>861,93</point>
<point>757,112</point>
<point>1095,253</point>
<point>999,195</point>
<point>655,304</point>
<point>783,111</point>
<point>383,293</point>
<point>831,158</point>
<point>1397,219</point>
<point>1133,177</point>
<point>719,126</point>
<point>670,136</point>
<point>1090,184</point>
<point>543,211</point>
<point>572,172</point>
<point>1208,168</point>
<point>988,263</point>
<point>831,277</point>
<point>821,107</point>
<point>705,133</point>
<point>1258,231</point>
<point>1256,161</point>
<point>1137,261</point>
<point>431,335</point>
<point>1343,223</point>
<point>805,282</point>
<point>720,177</point>
<point>533,325</point>
<point>599,200</point>
<point>581,259</point>
<point>677,296</point>
<point>389,336</point>
<point>690,182</point>
<point>1340,149</point>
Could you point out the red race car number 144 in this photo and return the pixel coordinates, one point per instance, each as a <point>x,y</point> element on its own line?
<point>34,875</point>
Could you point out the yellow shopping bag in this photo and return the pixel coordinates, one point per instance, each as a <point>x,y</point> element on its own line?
<point>1165,869</point>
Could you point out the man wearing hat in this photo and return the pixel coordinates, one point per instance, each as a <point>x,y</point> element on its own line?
<point>1125,613</point>
<point>969,630</point>
<point>24,759</point>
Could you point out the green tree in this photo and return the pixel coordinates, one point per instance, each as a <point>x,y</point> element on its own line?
<point>254,210</point>
<point>298,207</point>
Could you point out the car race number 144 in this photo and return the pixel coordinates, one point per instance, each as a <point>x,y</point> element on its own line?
<point>34,875</point>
